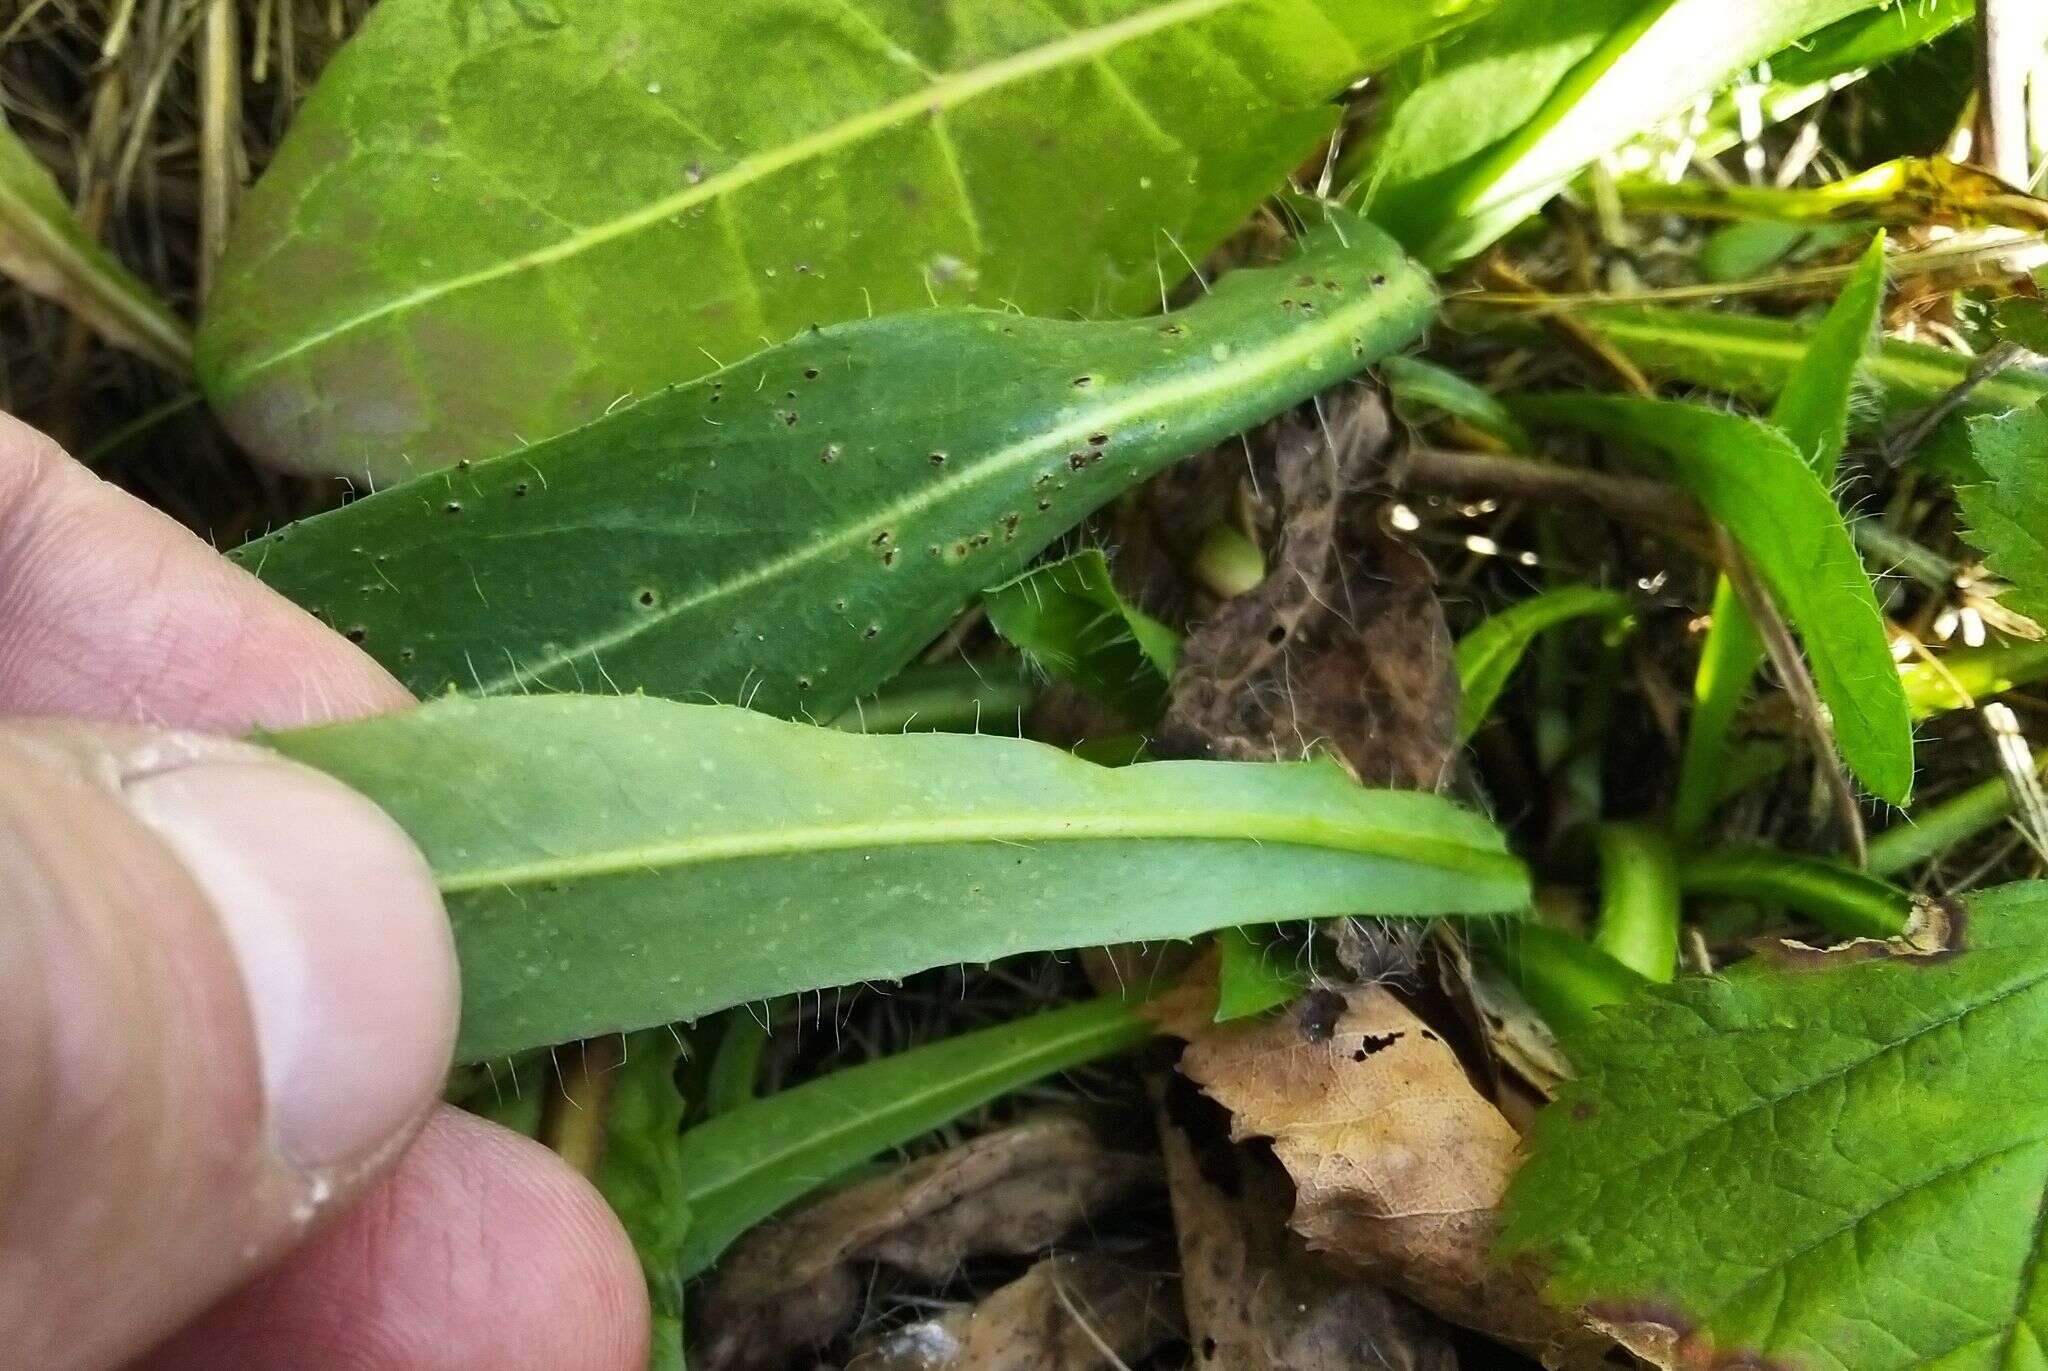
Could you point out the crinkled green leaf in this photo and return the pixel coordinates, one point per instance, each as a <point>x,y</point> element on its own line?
<point>792,531</point>
<point>1756,483</point>
<point>495,220</point>
<point>746,1164</point>
<point>615,863</point>
<point>2007,515</point>
<point>1813,411</point>
<point>1815,1162</point>
<point>44,248</point>
<point>1488,655</point>
<point>1068,617</point>
<point>1489,124</point>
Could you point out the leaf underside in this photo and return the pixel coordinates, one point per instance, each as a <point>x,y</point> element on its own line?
<point>1817,1162</point>
<point>614,863</point>
<point>791,532</point>
<point>491,223</point>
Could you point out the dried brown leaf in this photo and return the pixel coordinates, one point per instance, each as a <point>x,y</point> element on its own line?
<point>1399,1163</point>
<point>1255,1299</point>
<point>794,1283</point>
<point>1067,1313</point>
<point>1342,647</point>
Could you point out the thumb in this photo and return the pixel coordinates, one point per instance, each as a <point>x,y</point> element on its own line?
<point>227,998</point>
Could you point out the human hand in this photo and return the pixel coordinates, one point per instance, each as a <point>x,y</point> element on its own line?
<point>227,1000</point>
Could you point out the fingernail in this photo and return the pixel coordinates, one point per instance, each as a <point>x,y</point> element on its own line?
<point>342,942</point>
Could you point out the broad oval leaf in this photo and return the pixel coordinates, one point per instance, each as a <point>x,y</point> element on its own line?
<point>1483,131</point>
<point>1815,1161</point>
<point>617,862</point>
<point>792,531</point>
<point>742,1166</point>
<point>491,222</point>
<point>1489,653</point>
<point>1756,484</point>
<point>45,249</point>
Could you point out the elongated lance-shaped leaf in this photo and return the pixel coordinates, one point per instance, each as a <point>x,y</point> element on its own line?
<point>1814,1160</point>
<point>614,863</point>
<point>492,222</point>
<point>1489,653</point>
<point>1752,358</point>
<point>1813,411</point>
<point>45,249</point>
<point>1485,129</point>
<point>743,1166</point>
<point>1756,484</point>
<point>1068,618</point>
<point>792,531</point>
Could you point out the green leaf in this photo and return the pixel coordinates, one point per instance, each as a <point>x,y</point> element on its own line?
<point>2007,516</point>
<point>791,532</point>
<point>492,223</point>
<point>1488,655</point>
<point>1251,975</point>
<point>1751,358</point>
<point>743,1166</point>
<point>1757,484</point>
<point>1869,38</point>
<point>1813,411</point>
<point>2023,321</point>
<point>1068,617</point>
<point>1961,676</point>
<point>44,249</point>
<point>1417,383</point>
<point>979,695</point>
<point>614,863</point>
<point>1813,1161</point>
<point>640,1174</point>
<point>1486,128</point>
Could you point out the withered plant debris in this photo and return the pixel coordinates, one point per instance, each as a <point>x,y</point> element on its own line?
<point>796,1283</point>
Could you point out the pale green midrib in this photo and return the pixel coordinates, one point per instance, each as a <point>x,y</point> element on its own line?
<point>800,839</point>
<point>1246,369</point>
<point>164,333</point>
<point>1097,1025</point>
<point>928,101</point>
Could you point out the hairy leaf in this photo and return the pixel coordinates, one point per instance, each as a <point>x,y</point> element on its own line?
<point>1256,972</point>
<point>1489,654</point>
<point>615,863</point>
<point>1491,124</point>
<point>45,249</point>
<point>1813,411</point>
<point>1069,618</point>
<point>2007,516</point>
<point>494,222</point>
<point>1757,484</point>
<point>792,531</point>
<point>1817,1160</point>
<point>744,1165</point>
<point>1751,357</point>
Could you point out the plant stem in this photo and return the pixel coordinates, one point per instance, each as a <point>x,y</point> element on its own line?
<point>1931,832</point>
<point>1728,662</point>
<point>1565,978</point>
<point>1851,903</point>
<point>574,1121</point>
<point>1639,899</point>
